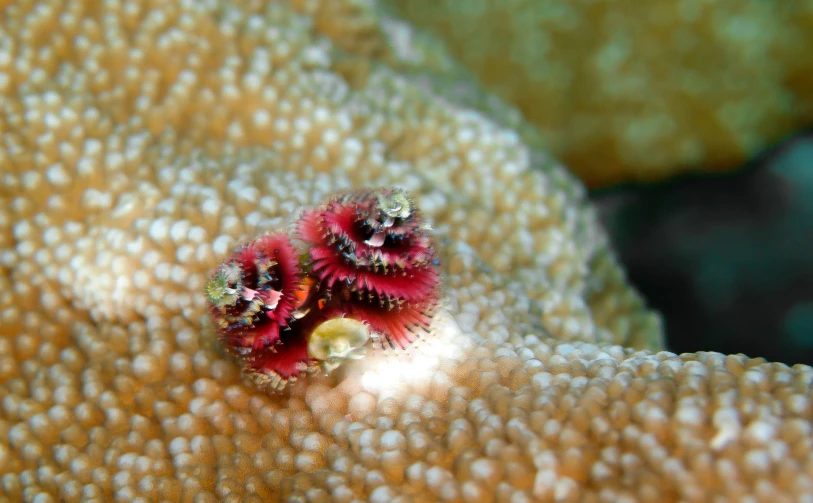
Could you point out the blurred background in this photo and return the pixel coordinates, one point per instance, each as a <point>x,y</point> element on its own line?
<point>689,121</point>
<point>726,259</point>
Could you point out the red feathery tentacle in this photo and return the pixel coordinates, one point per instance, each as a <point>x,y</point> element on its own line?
<point>401,326</point>
<point>288,358</point>
<point>372,254</point>
<point>370,259</point>
<point>252,294</point>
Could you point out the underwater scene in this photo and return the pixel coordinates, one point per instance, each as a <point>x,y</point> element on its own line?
<point>406,251</point>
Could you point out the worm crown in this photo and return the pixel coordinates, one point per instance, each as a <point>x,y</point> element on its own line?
<point>368,267</point>
<point>252,294</point>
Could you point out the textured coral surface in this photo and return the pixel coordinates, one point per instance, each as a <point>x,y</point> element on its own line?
<point>143,141</point>
<point>639,90</point>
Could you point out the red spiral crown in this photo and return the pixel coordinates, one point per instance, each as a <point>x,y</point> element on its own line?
<point>369,260</point>
<point>372,254</point>
<point>253,293</point>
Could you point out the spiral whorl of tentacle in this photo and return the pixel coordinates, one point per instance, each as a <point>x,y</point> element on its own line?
<point>369,268</point>
<point>371,252</point>
<point>253,293</point>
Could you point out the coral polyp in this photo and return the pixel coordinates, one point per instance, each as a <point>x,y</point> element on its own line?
<point>369,269</point>
<point>371,251</point>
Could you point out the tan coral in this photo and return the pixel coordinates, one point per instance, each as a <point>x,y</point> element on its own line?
<point>625,91</point>
<point>140,144</point>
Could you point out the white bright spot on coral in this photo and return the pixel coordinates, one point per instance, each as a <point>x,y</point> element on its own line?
<point>262,118</point>
<point>386,374</point>
<point>221,245</point>
<point>158,230</point>
<point>728,425</point>
<point>57,175</point>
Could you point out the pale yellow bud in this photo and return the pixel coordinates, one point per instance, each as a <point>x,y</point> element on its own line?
<point>337,340</point>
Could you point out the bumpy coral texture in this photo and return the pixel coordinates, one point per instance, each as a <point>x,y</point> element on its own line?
<point>639,91</point>
<point>142,142</point>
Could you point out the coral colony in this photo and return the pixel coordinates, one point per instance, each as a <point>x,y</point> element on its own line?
<point>368,271</point>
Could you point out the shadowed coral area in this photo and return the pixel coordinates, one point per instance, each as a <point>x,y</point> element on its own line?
<point>144,142</point>
<point>631,91</point>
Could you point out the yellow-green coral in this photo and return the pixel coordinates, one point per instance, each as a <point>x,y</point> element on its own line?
<point>142,141</point>
<point>639,91</point>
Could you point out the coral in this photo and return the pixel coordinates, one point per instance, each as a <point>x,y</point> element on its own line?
<point>142,142</point>
<point>638,92</point>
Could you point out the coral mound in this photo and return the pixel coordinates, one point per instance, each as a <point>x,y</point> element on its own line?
<point>142,142</point>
